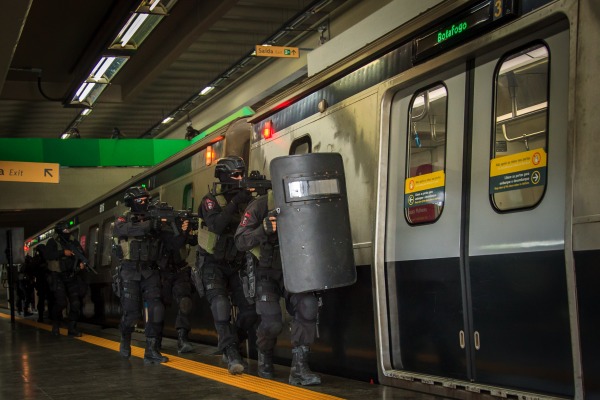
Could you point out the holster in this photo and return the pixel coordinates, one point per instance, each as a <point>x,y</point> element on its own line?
<point>196,274</point>
<point>116,282</point>
<point>249,281</point>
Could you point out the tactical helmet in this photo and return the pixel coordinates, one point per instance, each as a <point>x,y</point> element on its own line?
<point>135,192</point>
<point>227,165</point>
<point>62,227</point>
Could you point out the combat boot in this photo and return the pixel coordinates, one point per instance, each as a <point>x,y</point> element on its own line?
<point>56,328</point>
<point>183,343</point>
<point>234,360</point>
<point>300,373</point>
<point>152,355</point>
<point>125,345</point>
<point>265,364</point>
<point>73,329</point>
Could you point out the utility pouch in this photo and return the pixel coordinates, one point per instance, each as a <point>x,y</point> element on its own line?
<point>206,239</point>
<point>117,249</point>
<point>135,250</point>
<point>196,274</point>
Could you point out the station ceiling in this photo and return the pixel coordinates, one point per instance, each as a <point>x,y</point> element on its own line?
<point>50,47</point>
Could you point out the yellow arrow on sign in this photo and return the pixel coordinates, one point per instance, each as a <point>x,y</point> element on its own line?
<point>13,171</point>
<point>277,51</point>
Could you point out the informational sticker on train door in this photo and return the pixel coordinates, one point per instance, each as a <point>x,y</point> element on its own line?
<point>424,189</point>
<point>518,171</point>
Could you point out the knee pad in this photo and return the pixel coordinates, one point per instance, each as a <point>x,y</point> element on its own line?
<point>155,311</point>
<point>307,308</point>
<point>75,305</point>
<point>185,305</point>
<point>221,309</point>
<point>271,327</point>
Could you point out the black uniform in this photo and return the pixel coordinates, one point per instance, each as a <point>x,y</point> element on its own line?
<point>138,251</point>
<point>25,286</point>
<point>65,281</point>
<point>221,272</point>
<point>42,274</point>
<point>303,307</point>
<point>176,281</point>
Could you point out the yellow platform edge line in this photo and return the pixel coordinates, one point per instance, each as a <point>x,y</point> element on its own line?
<point>266,387</point>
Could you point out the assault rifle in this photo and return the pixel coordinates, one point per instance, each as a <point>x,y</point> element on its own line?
<point>164,213</point>
<point>79,256</point>
<point>255,181</point>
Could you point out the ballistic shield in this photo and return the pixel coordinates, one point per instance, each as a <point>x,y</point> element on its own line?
<point>313,224</point>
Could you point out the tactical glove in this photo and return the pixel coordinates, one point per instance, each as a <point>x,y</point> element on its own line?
<point>270,224</point>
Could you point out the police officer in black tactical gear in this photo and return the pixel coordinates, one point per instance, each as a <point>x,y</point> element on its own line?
<point>257,233</point>
<point>41,274</point>
<point>176,280</point>
<point>65,279</point>
<point>138,246</point>
<point>223,265</point>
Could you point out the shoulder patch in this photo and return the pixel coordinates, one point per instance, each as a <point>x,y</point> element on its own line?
<point>209,204</point>
<point>245,219</point>
<point>121,219</point>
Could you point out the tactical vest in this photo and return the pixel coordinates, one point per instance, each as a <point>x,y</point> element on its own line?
<point>59,265</point>
<point>207,240</point>
<point>137,248</point>
<point>54,265</point>
<point>270,207</point>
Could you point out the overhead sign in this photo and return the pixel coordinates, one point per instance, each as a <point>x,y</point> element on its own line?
<point>277,51</point>
<point>14,171</point>
<point>457,29</point>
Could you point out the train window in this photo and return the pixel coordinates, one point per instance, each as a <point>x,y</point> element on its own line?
<point>518,161</point>
<point>92,242</point>
<point>188,197</point>
<point>107,231</point>
<point>424,187</point>
<point>302,145</point>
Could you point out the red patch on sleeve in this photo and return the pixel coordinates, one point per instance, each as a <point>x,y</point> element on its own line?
<point>210,204</point>
<point>244,220</point>
<point>121,219</point>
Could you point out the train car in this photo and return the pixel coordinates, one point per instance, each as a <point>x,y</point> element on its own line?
<point>469,147</point>
<point>461,136</point>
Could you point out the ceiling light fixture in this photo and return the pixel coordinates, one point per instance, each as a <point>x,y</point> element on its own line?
<point>206,90</point>
<point>167,120</point>
<point>138,20</point>
<point>141,23</point>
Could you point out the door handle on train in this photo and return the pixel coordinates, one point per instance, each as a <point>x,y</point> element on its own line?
<point>461,339</point>
<point>476,340</point>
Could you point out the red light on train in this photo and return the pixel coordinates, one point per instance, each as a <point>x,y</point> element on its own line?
<point>268,130</point>
<point>210,154</point>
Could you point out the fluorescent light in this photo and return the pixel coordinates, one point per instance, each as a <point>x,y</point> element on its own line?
<point>86,90</point>
<point>206,90</point>
<point>154,4</point>
<point>167,120</point>
<point>101,67</point>
<point>133,28</point>
<point>65,135</point>
<point>86,111</point>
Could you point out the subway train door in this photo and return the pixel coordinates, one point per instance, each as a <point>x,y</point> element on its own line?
<point>515,236</point>
<point>422,245</point>
<point>474,279</point>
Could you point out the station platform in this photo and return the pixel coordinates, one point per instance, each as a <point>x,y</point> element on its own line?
<point>34,364</point>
